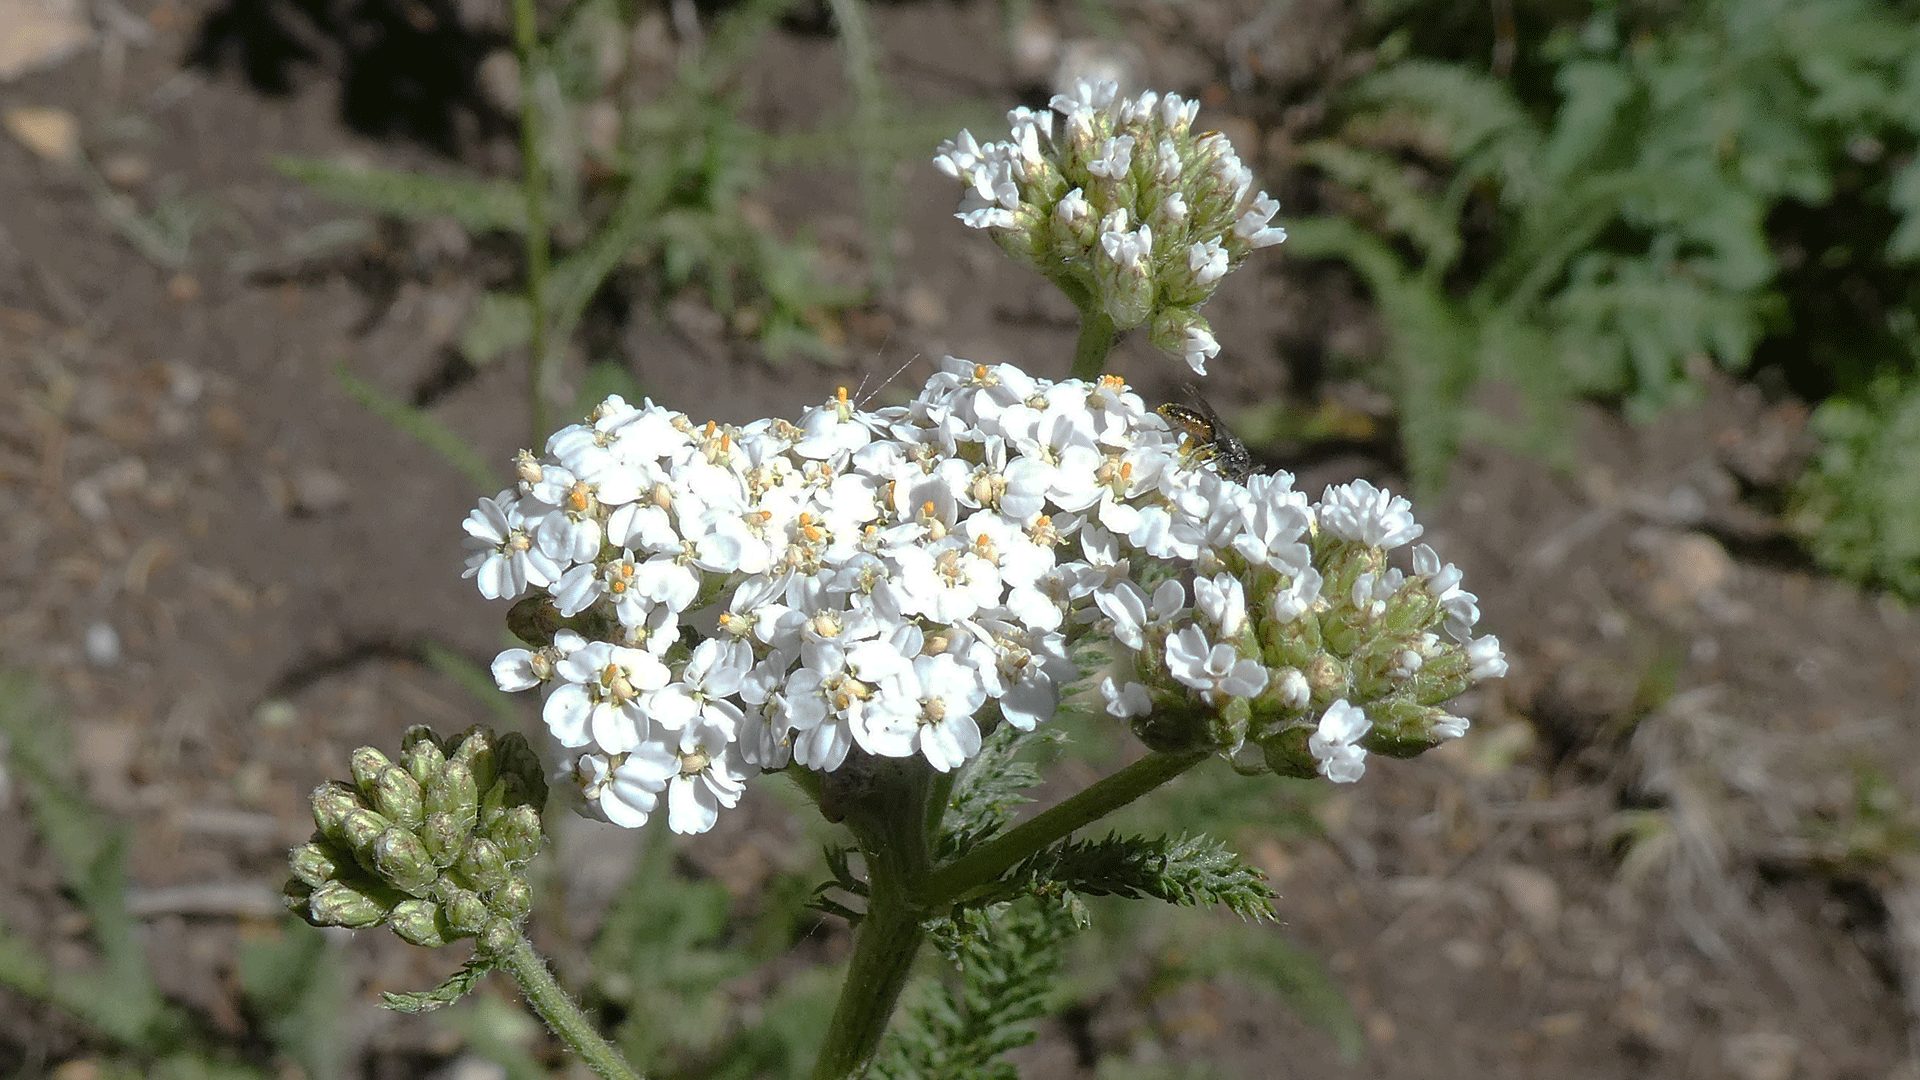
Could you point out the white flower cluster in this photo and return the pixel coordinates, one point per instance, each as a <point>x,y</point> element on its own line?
<point>1123,205</point>
<point>735,599</point>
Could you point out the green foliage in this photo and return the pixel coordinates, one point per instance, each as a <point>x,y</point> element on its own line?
<point>667,949</point>
<point>1624,210</point>
<point>1005,959</point>
<point>450,991</point>
<point>296,988</point>
<point>1859,502</point>
<point>424,427</point>
<point>994,785</point>
<point>293,985</point>
<point>684,169</point>
<point>1189,871</point>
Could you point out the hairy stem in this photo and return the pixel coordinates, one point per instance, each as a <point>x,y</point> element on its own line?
<point>561,1014</point>
<point>1096,341</point>
<point>894,836</point>
<point>533,183</point>
<point>985,863</point>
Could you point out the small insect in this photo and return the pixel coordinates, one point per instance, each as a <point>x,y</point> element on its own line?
<point>1206,436</point>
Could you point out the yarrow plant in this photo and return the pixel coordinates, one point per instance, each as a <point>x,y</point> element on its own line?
<point>875,602</point>
<point>1131,214</point>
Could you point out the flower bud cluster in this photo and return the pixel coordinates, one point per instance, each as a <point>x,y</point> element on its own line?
<point>1123,204</point>
<point>434,846</point>
<point>704,602</point>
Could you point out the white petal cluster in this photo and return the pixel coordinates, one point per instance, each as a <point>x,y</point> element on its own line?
<point>1121,200</point>
<point>738,599</point>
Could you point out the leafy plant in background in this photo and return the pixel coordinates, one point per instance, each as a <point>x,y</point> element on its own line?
<point>293,985</point>
<point>1596,230</point>
<point>668,193</point>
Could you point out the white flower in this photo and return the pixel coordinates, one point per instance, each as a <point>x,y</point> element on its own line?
<point>1125,702</point>
<point>505,559</point>
<point>1360,512</point>
<point>711,675</point>
<point>1484,654</point>
<point>1334,743</point>
<point>600,700</point>
<point>1253,228</point>
<point>1218,671</point>
<point>1197,346</point>
<point>1115,158</point>
<point>624,793</point>
<point>708,774</point>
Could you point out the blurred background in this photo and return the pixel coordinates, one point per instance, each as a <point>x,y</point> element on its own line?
<point>1622,292</point>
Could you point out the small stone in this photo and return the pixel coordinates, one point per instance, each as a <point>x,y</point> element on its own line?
<point>102,645</point>
<point>52,134</point>
<point>40,34</point>
<point>126,170</point>
<point>314,490</point>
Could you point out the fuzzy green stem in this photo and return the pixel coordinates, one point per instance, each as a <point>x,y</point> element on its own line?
<point>526,47</point>
<point>984,864</point>
<point>561,1014</point>
<point>894,836</point>
<point>1096,341</point>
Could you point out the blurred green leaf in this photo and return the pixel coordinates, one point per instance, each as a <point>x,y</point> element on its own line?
<point>424,428</point>
<point>479,205</point>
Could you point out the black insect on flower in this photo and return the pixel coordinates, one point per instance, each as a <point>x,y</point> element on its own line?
<point>1207,436</point>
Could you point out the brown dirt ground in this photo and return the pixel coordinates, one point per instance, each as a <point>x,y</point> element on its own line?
<point>178,463</point>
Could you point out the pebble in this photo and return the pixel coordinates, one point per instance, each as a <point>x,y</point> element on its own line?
<point>40,34</point>
<point>52,134</point>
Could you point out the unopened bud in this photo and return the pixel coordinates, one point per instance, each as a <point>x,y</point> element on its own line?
<point>400,858</point>
<point>475,751</point>
<point>465,911</point>
<point>365,764</point>
<point>317,862</point>
<point>360,827</point>
<point>453,791</point>
<point>484,867</point>
<point>497,939</point>
<point>332,802</point>
<point>421,754</point>
<point>517,832</point>
<point>512,900</point>
<point>397,796</point>
<point>339,904</point>
<point>445,837</point>
<point>419,922</point>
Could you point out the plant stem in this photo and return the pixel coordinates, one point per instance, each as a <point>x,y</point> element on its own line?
<point>1096,341</point>
<point>526,47</point>
<point>985,863</point>
<point>894,839</point>
<point>561,1014</point>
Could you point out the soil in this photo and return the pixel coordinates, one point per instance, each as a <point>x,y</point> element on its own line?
<point>1650,858</point>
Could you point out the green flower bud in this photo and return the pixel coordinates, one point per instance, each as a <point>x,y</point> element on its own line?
<point>339,904</point>
<point>518,834</point>
<point>295,894</point>
<point>498,938</point>
<point>454,791</point>
<point>332,802</point>
<point>360,827</point>
<point>365,765</point>
<point>512,900</point>
<point>396,795</point>
<point>420,922</point>
<point>317,862</point>
<point>475,751</point>
<point>422,754</point>
<point>445,837</point>
<point>401,859</point>
<point>465,911</point>
<point>484,867</point>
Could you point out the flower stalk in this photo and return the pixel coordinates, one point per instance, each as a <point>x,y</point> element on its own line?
<point>562,1015</point>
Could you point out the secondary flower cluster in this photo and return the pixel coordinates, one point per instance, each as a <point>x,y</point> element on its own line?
<point>1125,208</point>
<point>711,601</point>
